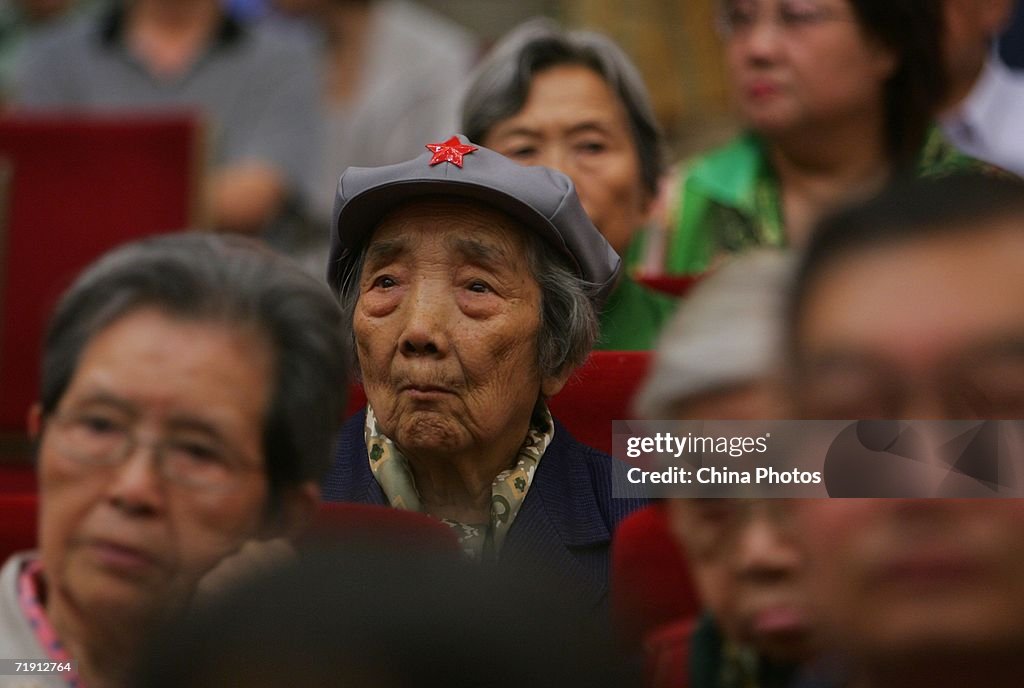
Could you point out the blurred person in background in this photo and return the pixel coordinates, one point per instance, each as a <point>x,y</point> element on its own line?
<point>191,388</point>
<point>472,286</point>
<point>912,306</point>
<point>255,93</point>
<point>985,106</point>
<point>21,19</point>
<point>721,359</point>
<point>574,102</point>
<point>838,97</point>
<point>390,74</point>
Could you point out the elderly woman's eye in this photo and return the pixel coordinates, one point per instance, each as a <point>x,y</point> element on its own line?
<point>521,152</point>
<point>592,147</point>
<point>479,287</point>
<point>384,282</point>
<point>98,424</point>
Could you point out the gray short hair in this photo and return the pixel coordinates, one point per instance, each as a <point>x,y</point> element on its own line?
<point>727,332</point>
<point>501,85</point>
<point>230,280</point>
<point>569,320</point>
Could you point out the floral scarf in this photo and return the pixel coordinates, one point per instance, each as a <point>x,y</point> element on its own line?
<point>481,541</point>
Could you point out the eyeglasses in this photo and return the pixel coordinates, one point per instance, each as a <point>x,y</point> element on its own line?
<point>97,439</point>
<point>983,383</point>
<point>715,523</point>
<point>740,18</point>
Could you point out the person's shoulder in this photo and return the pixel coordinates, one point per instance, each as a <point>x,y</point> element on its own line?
<point>64,38</point>
<point>940,158</point>
<point>601,470</point>
<point>742,151</point>
<point>421,39</point>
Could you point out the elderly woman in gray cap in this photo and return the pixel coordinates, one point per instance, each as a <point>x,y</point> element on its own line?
<point>472,285</point>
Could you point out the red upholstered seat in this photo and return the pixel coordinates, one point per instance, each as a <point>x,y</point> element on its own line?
<point>673,285</point>
<point>74,187</point>
<point>381,526</point>
<point>18,521</point>
<point>650,581</point>
<point>667,654</point>
<point>17,478</point>
<point>600,391</point>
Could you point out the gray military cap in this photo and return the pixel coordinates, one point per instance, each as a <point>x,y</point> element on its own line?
<point>543,200</point>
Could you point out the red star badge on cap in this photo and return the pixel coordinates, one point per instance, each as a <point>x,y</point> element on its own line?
<point>451,151</point>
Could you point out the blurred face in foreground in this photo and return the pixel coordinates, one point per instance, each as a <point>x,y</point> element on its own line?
<point>930,328</point>
<point>904,585</point>
<point>151,468</point>
<point>748,571</point>
<point>919,592</point>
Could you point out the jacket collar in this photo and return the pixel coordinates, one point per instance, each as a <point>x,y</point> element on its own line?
<point>113,21</point>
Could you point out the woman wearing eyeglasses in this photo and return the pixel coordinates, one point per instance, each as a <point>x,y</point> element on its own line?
<point>837,96</point>
<point>190,390</point>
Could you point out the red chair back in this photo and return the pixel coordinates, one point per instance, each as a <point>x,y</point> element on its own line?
<point>16,478</point>
<point>380,526</point>
<point>650,581</point>
<point>18,522</point>
<point>673,285</point>
<point>76,186</point>
<point>599,392</point>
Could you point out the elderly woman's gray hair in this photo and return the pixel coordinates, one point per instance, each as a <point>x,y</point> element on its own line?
<point>569,320</point>
<point>223,280</point>
<point>501,85</point>
<point>727,333</point>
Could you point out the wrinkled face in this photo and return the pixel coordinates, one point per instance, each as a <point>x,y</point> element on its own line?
<point>918,580</point>
<point>927,329</point>
<point>446,328</point>
<point>748,570</point>
<point>800,63</point>
<point>124,540</point>
<point>573,122</point>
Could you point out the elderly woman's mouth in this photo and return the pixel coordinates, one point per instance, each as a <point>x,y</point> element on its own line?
<point>425,391</point>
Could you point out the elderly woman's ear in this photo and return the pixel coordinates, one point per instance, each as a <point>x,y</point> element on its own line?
<point>553,384</point>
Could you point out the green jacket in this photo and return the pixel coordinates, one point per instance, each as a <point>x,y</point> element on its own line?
<point>633,317</point>
<point>729,200</point>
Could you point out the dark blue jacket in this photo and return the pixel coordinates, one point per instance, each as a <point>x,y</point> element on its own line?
<point>565,523</point>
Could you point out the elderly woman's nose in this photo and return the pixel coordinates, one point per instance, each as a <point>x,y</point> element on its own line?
<point>425,327</point>
<point>556,157</point>
<point>764,551</point>
<point>137,487</point>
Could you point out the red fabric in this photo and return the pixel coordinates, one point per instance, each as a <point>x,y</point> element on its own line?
<point>600,391</point>
<point>381,526</point>
<point>17,478</point>
<point>667,655</point>
<point>650,581</point>
<point>78,186</point>
<point>18,519</point>
<point>671,285</point>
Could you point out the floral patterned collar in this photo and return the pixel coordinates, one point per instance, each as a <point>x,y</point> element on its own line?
<point>480,541</point>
